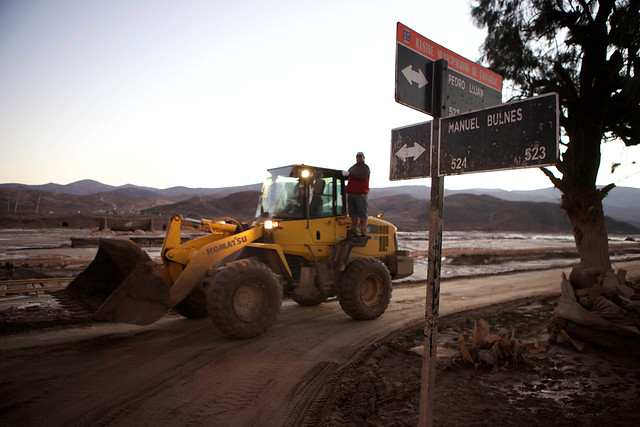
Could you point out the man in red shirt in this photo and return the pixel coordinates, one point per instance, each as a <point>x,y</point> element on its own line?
<point>357,191</point>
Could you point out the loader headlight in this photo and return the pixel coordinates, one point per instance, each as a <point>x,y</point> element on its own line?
<point>270,224</point>
<point>305,173</point>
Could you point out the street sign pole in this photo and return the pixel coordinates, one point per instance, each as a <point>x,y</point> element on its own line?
<point>434,264</point>
<point>441,83</point>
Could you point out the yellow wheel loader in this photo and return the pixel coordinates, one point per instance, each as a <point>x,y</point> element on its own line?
<point>297,247</point>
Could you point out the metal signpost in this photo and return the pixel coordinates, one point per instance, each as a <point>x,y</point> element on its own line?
<point>475,134</point>
<point>521,134</point>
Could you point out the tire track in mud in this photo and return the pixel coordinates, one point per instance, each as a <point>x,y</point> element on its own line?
<point>257,379</point>
<point>311,395</point>
<point>308,401</point>
<point>244,377</point>
<point>112,376</point>
<point>186,372</point>
<point>254,387</point>
<point>315,355</point>
<point>118,408</point>
<point>183,372</point>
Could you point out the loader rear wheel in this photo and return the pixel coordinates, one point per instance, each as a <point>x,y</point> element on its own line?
<point>244,299</point>
<point>194,306</point>
<point>365,289</point>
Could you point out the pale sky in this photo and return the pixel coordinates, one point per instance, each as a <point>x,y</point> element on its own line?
<point>163,93</point>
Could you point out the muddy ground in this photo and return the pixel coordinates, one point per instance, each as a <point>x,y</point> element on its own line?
<point>557,386</point>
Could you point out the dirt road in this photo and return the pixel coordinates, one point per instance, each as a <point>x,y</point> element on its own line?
<point>184,372</point>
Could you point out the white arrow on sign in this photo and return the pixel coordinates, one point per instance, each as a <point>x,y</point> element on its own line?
<point>414,76</point>
<point>415,151</point>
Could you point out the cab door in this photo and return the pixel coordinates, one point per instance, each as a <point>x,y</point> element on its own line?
<point>327,211</point>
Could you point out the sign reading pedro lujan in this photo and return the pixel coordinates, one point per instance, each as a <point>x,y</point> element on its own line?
<point>467,85</point>
<point>515,135</point>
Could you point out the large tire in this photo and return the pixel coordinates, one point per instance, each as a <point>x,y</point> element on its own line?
<point>194,306</point>
<point>365,289</point>
<point>244,299</point>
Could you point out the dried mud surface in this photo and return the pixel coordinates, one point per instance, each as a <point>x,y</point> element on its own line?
<point>379,386</point>
<point>559,386</point>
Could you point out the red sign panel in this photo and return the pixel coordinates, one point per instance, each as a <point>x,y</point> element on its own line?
<point>434,51</point>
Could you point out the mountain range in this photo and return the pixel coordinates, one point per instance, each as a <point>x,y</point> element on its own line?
<point>405,206</point>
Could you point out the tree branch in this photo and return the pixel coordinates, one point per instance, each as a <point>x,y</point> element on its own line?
<point>557,182</point>
<point>604,191</point>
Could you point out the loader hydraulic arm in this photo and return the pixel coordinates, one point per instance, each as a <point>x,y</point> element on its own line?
<point>186,265</point>
<point>176,256</point>
<point>215,230</point>
<point>203,260</point>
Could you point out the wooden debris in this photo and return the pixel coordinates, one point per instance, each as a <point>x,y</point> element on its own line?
<point>462,345</point>
<point>444,355</point>
<point>536,347</point>
<point>480,331</point>
<point>575,343</point>
<point>32,287</point>
<point>485,348</point>
<point>600,309</point>
<point>493,350</point>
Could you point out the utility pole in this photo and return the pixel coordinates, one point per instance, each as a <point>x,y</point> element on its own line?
<point>15,209</point>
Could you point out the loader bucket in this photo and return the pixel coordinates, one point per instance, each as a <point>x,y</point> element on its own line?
<point>122,284</point>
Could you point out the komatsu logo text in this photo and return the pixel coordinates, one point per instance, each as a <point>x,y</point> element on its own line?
<point>230,244</point>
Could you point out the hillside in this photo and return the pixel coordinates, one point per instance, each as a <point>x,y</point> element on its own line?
<point>82,204</point>
<point>89,187</point>
<point>486,213</point>
<point>241,205</point>
<point>621,204</point>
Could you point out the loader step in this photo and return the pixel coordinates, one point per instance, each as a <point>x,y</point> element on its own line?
<point>342,250</point>
<point>357,241</point>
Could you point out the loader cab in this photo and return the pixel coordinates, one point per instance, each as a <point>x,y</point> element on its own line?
<point>300,192</point>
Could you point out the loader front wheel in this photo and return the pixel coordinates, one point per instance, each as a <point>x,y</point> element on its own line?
<point>244,299</point>
<point>365,289</point>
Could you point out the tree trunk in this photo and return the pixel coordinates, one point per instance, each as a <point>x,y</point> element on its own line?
<point>584,210</point>
<point>581,200</point>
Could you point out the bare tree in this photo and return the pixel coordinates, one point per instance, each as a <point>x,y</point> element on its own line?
<point>587,52</point>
